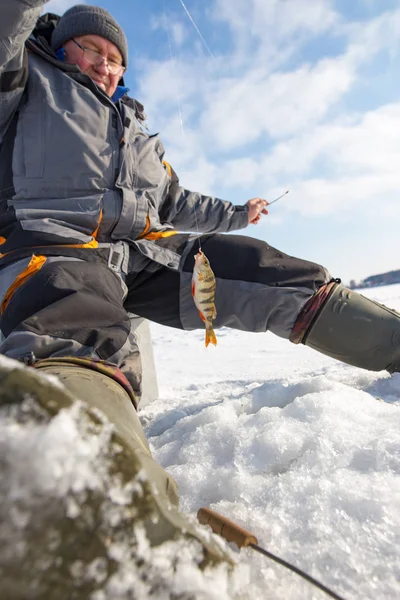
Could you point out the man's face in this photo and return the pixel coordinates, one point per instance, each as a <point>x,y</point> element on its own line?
<point>100,73</point>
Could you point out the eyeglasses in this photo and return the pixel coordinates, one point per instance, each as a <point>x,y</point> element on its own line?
<point>95,58</point>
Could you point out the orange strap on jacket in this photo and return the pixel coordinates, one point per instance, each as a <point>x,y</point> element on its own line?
<point>35,264</point>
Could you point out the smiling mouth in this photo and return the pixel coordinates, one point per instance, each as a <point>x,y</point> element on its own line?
<point>100,83</point>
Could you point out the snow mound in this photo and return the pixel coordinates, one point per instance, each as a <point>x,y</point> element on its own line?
<point>71,525</point>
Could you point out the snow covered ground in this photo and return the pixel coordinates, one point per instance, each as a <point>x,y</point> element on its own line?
<point>301,450</point>
<point>296,447</point>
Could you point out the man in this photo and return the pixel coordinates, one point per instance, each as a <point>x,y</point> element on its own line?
<point>90,220</point>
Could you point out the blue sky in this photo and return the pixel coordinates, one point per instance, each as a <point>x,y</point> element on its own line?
<point>280,94</point>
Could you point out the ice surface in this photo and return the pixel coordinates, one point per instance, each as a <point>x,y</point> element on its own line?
<point>302,450</point>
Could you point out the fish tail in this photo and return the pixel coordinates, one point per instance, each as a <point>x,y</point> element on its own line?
<point>211,338</point>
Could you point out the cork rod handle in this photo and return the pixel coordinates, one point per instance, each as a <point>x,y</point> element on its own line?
<point>226,528</point>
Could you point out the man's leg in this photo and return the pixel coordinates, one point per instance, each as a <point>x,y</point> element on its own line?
<point>68,306</point>
<point>260,288</point>
<point>351,328</point>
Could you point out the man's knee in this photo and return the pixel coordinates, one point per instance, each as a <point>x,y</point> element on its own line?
<point>68,307</point>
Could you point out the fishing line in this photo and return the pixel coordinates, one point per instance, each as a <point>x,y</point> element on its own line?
<point>178,100</point>
<point>197,29</point>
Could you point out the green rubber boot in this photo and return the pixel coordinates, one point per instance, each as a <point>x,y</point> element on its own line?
<point>357,331</point>
<point>84,506</point>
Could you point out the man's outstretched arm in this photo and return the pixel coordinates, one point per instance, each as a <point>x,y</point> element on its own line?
<point>18,18</point>
<point>191,211</point>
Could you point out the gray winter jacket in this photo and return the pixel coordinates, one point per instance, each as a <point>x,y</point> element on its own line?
<point>83,169</point>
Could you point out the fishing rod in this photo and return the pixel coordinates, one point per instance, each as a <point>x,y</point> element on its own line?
<point>232,532</point>
<point>278,198</point>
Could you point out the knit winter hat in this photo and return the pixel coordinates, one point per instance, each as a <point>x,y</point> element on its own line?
<point>84,19</point>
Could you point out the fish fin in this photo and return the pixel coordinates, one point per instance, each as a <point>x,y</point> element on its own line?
<point>200,276</point>
<point>211,338</point>
<point>214,313</point>
<point>202,317</point>
<point>193,288</point>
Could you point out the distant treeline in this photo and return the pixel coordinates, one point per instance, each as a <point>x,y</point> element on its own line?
<point>375,280</point>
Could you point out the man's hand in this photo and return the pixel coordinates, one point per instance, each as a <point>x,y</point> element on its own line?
<point>256,207</point>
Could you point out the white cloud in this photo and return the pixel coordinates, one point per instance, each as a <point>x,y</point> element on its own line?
<point>242,172</point>
<point>367,142</point>
<point>276,19</point>
<point>366,194</point>
<point>202,174</point>
<point>233,112</point>
<point>369,37</point>
<point>173,27</point>
<point>178,33</point>
<point>241,111</point>
<point>270,32</point>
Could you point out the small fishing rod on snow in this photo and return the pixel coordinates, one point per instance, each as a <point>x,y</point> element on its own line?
<point>232,532</point>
